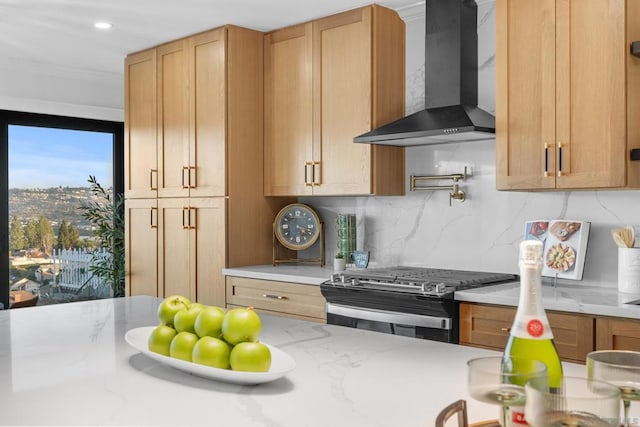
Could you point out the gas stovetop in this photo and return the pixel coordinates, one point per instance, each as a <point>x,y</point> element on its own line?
<point>416,280</point>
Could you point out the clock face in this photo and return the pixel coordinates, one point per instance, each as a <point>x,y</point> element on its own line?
<point>297,226</point>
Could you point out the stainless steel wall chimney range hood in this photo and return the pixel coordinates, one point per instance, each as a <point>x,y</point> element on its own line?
<point>451,84</point>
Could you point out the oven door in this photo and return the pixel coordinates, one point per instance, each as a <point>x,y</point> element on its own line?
<point>390,322</point>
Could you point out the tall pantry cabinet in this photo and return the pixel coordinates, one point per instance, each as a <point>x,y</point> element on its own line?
<point>194,163</point>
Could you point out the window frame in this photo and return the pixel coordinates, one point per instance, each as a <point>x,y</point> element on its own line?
<point>8,118</point>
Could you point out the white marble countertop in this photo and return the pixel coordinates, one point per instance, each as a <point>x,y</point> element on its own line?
<point>305,274</point>
<point>604,301</point>
<point>68,364</point>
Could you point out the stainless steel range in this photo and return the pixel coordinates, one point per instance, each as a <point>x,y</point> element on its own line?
<point>411,301</point>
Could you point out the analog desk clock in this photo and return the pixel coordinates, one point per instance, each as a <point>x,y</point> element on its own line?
<point>297,227</point>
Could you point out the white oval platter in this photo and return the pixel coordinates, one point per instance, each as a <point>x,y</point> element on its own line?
<point>281,362</point>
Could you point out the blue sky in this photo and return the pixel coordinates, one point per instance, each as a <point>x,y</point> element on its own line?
<point>46,157</point>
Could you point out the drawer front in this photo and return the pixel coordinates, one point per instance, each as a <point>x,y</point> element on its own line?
<point>276,297</point>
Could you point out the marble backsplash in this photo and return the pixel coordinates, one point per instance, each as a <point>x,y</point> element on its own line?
<point>483,232</point>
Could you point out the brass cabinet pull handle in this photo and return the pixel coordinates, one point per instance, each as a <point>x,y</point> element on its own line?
<point>195,175</point>
<point>195,216</point>
<point>280,297</point>
<point>560,147</point>
<point>151,172</point>
<point>152,223</point>
<point>505,329</point>
<point>318,181</point>
<point>546,159</point>
<point>306,174</point>
<point>185,168</point>
<point>185,224</point>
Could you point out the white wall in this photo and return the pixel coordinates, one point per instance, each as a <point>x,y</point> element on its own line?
<point>483,232</point>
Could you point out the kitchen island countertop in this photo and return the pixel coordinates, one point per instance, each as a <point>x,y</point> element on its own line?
<point>68,364</point>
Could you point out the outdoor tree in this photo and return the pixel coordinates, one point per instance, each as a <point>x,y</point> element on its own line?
<point>45,234</point>
<point>68,236</point>
<point>31,234</point>
<point>16,235</point>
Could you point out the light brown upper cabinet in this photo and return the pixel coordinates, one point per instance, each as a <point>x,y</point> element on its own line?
<point>567,94</point>
<point>140,125</point>
<point>176,118</point>
<point>326,82</point>
<point>191,113</point>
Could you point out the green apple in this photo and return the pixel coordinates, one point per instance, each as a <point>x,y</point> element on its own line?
<point>160,339</point>
<point>170,306</point>
<point>250,357</point>
<point>184,320</point>
<point>240,325</point>
<point>182,345</point>
<point>211,351</point>
<point>209,322</point>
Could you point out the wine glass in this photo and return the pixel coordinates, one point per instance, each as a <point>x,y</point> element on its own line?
<point>618,367</point>
<point>501,380</point>
<point>579,402</point>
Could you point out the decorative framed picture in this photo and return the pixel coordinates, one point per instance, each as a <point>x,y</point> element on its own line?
<point>564,246</point>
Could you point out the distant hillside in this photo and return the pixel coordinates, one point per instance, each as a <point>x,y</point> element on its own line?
<point>56,203</point>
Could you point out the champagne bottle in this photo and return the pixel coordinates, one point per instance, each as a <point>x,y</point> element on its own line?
<point>530,336</point>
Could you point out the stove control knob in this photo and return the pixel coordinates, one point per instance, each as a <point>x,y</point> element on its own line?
<point>439,288</point>
<point>335,277</point>
<point>355,282</point>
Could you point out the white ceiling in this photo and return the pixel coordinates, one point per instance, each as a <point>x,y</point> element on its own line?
<point>60,33</point>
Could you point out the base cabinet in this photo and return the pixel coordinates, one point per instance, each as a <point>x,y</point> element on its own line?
<point>617,334</point>
<point>488,326</point>
<point>278,298</point>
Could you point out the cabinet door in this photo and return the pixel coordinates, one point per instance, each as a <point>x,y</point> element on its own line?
<point>591,104</point>
<point>288,113</point>
<point>343,91</point>
<point>208,98</point>
<point>207,219</point>
<point>173,120</point>
<point>617,334</point>
<point>140,124</point>
<point>174,254</point>
<point>525,94</point>
<point>141,238</point>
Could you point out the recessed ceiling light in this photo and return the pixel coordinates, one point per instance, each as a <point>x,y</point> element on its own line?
<point>103,25</point>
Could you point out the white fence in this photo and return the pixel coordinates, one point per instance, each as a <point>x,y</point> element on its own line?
<point>73,268</point>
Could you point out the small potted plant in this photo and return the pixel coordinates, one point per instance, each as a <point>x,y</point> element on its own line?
<point>339,263</point>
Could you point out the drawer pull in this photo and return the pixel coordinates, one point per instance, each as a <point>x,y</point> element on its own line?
<point>505,329</point>
<point>274,296</point>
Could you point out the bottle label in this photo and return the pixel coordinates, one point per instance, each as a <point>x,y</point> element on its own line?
<point>532,327</point>
<point>517,416</point>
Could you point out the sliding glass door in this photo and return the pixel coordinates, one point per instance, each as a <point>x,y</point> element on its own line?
<point>60,179</point>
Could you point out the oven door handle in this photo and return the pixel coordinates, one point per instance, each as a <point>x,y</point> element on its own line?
<point>408,319</point>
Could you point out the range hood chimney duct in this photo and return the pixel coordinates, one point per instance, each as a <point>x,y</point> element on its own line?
<point>451,84</point>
